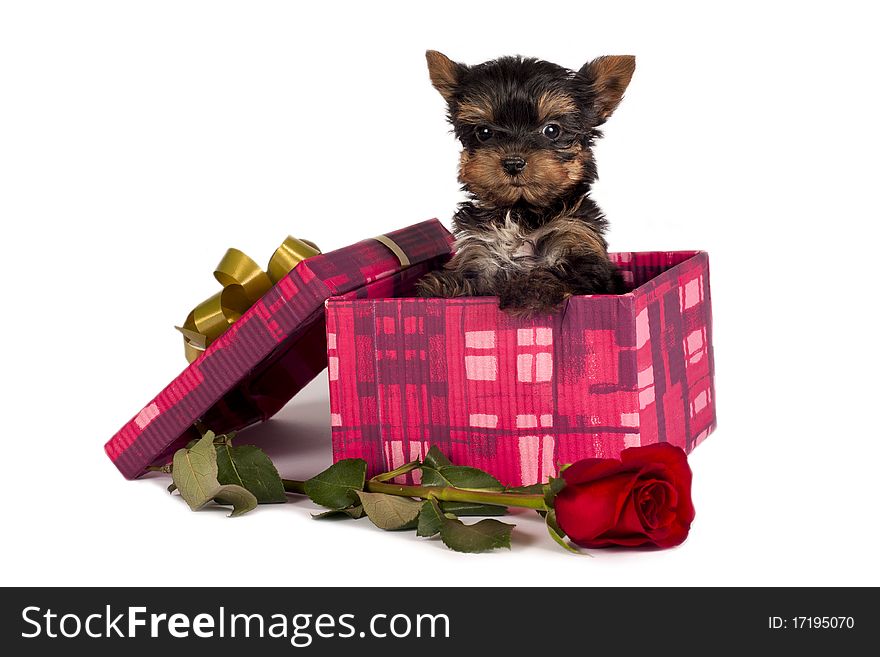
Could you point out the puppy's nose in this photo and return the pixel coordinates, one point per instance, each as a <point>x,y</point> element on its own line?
<point>513,165</point>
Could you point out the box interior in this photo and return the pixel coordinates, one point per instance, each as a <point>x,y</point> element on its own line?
<point>639,267</point>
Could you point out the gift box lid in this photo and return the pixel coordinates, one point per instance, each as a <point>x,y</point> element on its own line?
<point>276,347</point>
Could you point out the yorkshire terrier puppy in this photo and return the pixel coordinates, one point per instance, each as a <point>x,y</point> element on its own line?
<point>529,233</point>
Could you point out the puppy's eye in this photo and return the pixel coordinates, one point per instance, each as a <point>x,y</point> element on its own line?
<point>551,131</point>
<point>484,133</point>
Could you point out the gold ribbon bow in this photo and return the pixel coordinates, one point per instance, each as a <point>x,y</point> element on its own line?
<point>244,283</point>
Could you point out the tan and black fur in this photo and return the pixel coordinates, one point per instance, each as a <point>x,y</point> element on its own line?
<point>529,233</point>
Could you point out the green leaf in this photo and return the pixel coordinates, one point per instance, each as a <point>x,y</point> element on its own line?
<point>432,477</point>
<point>552,489</point>
<point>435,458</point>
<point>558,535</point>
<point>241,499</point>
<point>437,470</point>
<point>402,470</point>
<point>353,512</point>
<point>249,467</point>
<point>479,537</point>
<point>195,475</point>
<point>337,486</point>
<point>390,512</point>
<point>472,509</point>
<point>484,535</point>
<point>430,519</point>
<point>460,476</point>
<point>194,472</point>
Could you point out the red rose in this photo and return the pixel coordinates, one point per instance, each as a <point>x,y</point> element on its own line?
<point>642,499</point>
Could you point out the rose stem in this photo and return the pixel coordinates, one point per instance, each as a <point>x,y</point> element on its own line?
<point>442,493</point>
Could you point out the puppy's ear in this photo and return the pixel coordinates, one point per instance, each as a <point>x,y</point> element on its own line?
<point>445,73</point>
<point>609,77</point>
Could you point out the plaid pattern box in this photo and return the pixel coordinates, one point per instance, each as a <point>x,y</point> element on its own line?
<point>519,397</point>
<point>275,348</point>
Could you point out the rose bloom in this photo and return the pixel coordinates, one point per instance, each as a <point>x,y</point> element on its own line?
<point>642,499</point>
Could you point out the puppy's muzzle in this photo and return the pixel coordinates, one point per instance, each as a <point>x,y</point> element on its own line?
<point>513,165</point>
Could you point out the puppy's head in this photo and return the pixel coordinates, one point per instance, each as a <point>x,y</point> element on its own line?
<point>527,126</point>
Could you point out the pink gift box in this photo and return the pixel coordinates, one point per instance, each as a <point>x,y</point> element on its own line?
<point>275,348</point>
<point>519,397</point>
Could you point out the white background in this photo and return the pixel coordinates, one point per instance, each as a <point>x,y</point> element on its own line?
<point>139,140</point>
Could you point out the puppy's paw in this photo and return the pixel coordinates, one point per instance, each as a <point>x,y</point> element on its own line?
<point>444,284</point>
<point>597,276</point>
<point>617,284</point>
<point>534,293</point>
